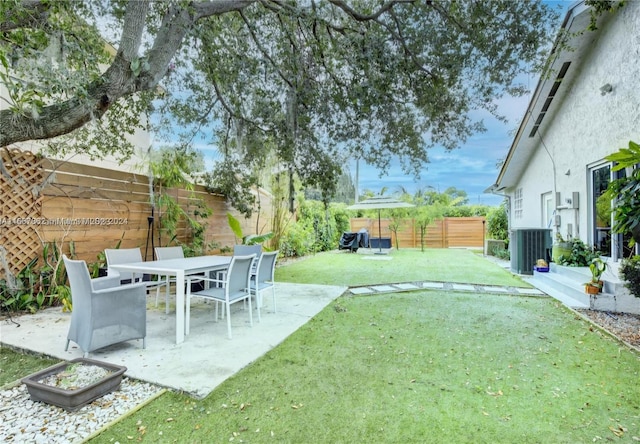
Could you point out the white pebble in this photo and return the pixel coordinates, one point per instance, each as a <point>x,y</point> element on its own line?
<point>26,421</point>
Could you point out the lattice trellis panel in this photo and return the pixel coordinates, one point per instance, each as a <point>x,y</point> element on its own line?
<point>21,178</point>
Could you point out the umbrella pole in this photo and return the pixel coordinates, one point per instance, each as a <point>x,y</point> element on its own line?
<point>379,233</point>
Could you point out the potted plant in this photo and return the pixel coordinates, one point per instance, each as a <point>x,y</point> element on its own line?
<point>560,248</point>
<point>597,267</point>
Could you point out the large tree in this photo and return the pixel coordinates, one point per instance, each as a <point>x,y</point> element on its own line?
<point>314,80</point>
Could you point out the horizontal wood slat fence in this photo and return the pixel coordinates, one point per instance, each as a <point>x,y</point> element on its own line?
<point>449,232</point>
<point>46,200</point>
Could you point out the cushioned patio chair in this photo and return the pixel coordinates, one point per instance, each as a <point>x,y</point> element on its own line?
<point>233,288</point>
<point>104,312</point>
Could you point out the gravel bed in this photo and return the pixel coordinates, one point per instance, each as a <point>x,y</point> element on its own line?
<point>25,421</point>
<point>623,325</point>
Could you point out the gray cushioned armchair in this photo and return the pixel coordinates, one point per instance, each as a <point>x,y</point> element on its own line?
<point>104,312</point>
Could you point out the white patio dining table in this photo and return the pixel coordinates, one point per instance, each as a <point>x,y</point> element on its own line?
<point>180,268</point>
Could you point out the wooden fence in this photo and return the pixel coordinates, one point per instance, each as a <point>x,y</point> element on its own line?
<point>450,232</point>
<point>92,208</point>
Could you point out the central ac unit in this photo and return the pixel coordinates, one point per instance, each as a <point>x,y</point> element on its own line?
<point>527,246</point>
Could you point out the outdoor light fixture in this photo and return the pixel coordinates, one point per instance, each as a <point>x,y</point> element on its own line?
<point>606,89</point>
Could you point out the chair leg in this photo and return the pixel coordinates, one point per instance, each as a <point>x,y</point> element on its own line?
<point>187,317</point>
<point>273,289</point>
<point>157,295</point>
<point>228,310</point>
<point>258,304</point>
<point>251,311</point>
<point>66,348</point>
<point>144,342</point>
<point>166,300</point>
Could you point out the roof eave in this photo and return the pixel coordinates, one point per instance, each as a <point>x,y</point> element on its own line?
<point>524,143</point>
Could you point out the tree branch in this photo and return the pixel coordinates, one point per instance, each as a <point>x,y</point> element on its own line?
<point>119,80</point>
<point>254,37</point>
<point>365,18</point>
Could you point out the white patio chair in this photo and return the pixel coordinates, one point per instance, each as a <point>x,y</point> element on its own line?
<point>264,278</point>
<point>234,288</point>
<point>244,250</point>
<point>163,253</point>
<point>104,312</point>
<point>126,256</point>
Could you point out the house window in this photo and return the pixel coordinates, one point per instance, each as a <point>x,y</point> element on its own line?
<point>517,204</point>
<point>615,245</point>
<point>601,209</point>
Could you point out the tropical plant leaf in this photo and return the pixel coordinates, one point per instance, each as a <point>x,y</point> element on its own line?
<point>626,157</point>
<point>235,226</point>
<point>254,239</point>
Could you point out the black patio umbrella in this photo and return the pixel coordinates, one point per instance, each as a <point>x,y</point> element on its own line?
<point>379,203</point>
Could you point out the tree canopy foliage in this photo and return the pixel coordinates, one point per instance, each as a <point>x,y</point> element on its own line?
<point>311,81</point>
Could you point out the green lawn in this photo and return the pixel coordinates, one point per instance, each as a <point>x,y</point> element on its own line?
<point>405,265</point>
<point>425,366</point>
<point>416,367</point>
<point>14,366</point>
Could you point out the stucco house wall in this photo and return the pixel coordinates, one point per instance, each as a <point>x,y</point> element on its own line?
<point>589,125</point>
<point>580,128</point>
<point>535,182</point>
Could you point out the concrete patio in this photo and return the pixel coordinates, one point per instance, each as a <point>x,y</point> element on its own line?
<point>205,359</point>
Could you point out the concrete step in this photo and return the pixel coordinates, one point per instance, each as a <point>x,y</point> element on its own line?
<point>566,284</point>
<point>612,283</point>
<point>579,274</point>
<point>566,289</point>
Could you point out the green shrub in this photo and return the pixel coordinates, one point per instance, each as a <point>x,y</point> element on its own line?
<point>466,210</point>
<point>500,253</point>
<point>327,224</point>
<point>630,273</point>
<point>497,223</point>
<point>581,255</point>
<point>625,191</point>
<point>298,240</point>
<point>27,291</point>
<point>35,286</point>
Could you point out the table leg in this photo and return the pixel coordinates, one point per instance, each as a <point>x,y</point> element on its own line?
<point>180,307</point>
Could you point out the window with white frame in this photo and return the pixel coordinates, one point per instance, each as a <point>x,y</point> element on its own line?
<point>517,203</point>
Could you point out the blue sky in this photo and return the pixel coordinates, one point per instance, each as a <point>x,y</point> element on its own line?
<point>472,167</point>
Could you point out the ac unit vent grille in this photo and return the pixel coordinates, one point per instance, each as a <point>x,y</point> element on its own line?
<point>527,246</point>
